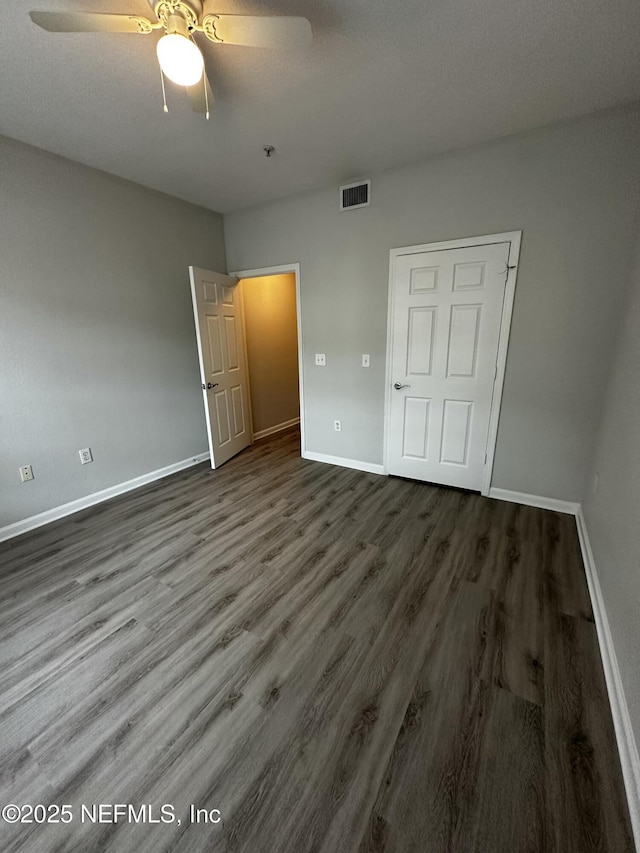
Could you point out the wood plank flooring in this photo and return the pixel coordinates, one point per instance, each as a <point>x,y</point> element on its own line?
<point>336,661</point>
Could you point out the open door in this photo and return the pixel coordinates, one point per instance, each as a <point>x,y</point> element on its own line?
<point>217,310</point>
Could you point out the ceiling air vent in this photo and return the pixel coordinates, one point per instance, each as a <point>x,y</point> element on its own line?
<point>355,195</point>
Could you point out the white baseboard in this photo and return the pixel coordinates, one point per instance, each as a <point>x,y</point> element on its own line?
<point>263,433</point>
<point>343,462</point>
<point>20,527</point>
<point>534,500</point>
<point>627,746</point>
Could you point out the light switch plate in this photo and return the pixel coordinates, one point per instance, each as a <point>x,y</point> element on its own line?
<point>321,359</point>
<point>366,359</point>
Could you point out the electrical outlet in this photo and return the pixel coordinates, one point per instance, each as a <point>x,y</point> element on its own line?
<point>321,359</point>
<point>366,359</point>
<point>26,473</point>
<point>337,426</point>
<point>85,455</point>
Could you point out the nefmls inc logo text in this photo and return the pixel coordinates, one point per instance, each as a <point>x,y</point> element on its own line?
<point>127,813</point>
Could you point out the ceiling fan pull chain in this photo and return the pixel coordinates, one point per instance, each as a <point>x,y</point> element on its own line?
<point>206,95</point>
<point>164,94</point>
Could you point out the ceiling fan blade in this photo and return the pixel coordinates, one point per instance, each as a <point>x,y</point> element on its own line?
<point>200,103</point>
<point>253,31</point>
<point>90,22</point>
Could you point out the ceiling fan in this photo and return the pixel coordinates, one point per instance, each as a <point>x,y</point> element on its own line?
<point>179,56</point>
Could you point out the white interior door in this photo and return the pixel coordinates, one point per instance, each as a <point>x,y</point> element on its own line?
<point>445,330</point>
<point>217,309</point>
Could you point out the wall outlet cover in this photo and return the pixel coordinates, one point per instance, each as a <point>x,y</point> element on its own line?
<point>321,359</point>
<point>26,473</point>
<point>337,425</point>
<point>85,455</point>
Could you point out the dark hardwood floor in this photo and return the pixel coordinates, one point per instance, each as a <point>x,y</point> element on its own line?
<point>336,661</point>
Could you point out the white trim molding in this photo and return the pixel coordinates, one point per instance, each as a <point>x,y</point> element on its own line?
<point>514,239</point>
<point>627,746</point>
<point>534,500</point>
<point>343,462</point>
<point>263,433</point>
<point>57,512</point>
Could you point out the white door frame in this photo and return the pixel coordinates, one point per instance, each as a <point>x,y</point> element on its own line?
<point>512,237</point>
<point>279,270</point>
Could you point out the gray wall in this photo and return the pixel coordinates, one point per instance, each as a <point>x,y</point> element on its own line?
<point>97,341</point>
<point>569,188</point>
<point>612,512</point>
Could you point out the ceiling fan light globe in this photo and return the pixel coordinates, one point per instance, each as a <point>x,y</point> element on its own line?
<point>180,59</point>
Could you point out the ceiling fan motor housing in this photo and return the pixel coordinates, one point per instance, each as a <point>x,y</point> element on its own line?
<point>169,11</point>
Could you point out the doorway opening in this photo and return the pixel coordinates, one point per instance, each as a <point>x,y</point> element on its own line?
<point>271,310</point>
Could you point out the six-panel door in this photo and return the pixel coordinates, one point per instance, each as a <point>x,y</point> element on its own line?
<point>447,308</point>
<point>222,362</point>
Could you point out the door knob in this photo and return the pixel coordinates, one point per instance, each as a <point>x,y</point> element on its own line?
<point>399,385</point>
<point>209,386</point>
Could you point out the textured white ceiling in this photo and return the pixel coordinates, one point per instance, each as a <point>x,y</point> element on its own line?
<point>384,83</point>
